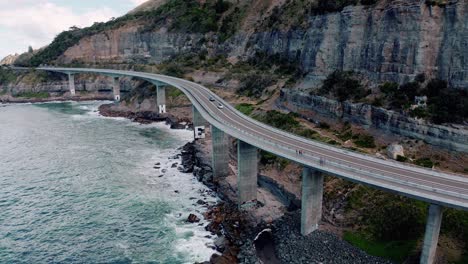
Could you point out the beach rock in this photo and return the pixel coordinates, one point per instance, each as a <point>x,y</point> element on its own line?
<point>193,219</point>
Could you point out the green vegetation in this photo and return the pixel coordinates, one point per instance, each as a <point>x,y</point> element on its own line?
<point>439,3</point>
<point>324,125</point>
<point>231,23</point>
<point>401,158</point>
<point>295,13</point>
<point>280,64</point>
<point>173,92</point>
<point>444,105</point>
<point>254,84</point>
<point>343,86</point>
<point>267,158</point>
<point>364,141</point>
<point>192,16</point>
<point>391,224</point>
<point>419,112</point>
<point>279,120</point>
<point>246,109</point>
<point>7,76</point>
<point>393,250</point>
<point>388,217</point>
<point>424,162</point>
<point>38,95</point>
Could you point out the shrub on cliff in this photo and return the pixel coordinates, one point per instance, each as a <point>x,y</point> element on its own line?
<point>279,120</point>
<point>343,85</point>
<point>7,76</point>
<point>254,84</point>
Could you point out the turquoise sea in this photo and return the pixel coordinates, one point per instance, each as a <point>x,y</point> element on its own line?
<point>76,187</point>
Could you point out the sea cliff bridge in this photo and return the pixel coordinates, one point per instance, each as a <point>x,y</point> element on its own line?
<point>437,188</point>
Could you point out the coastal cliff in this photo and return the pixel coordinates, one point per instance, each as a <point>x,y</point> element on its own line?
<point>454,137</point>
<point>386,41</point>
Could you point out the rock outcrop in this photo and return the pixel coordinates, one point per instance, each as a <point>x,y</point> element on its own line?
<point>452,137</point>
<point>8,60</point>
<point>395,150</point>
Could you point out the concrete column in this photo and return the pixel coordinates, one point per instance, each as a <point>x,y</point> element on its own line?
<point>247,169</point>
<point>220,152</point>
<point>312,193</point>
<point>116,88</point>
<point>431,237</point>
<point>198,124</point>
<point>161,98</point>
<point>71,84</point>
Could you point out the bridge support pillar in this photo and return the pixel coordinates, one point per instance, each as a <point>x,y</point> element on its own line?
<point>312,193</point>
<point>431,237</point>
<point>247,166</point>
<point>71,84</point>
<point>220,152</point>
<point>198,124</point>
<point>116,88</point>
<point>161,98</point>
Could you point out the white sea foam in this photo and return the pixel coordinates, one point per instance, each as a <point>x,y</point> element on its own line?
<point>183,191</point>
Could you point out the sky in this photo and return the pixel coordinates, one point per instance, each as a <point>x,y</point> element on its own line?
<point>35,23</point>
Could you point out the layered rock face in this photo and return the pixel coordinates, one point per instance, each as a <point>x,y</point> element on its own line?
<point>391,122</point>
<point>128,44</point>
<point>393,40</point>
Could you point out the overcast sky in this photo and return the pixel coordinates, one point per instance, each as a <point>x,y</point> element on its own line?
<point>37,22</point>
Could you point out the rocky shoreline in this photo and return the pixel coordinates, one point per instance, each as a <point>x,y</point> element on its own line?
<point>240,238</point>
<point>16,100</point>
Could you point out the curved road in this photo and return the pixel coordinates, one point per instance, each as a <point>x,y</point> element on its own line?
<point>435,187</point>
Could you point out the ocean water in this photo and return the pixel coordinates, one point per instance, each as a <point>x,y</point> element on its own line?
<point>76,187</point>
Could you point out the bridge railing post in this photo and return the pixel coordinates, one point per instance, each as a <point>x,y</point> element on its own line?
<point>431,236</point>
<point>311,202</point>
<point>247,174</point>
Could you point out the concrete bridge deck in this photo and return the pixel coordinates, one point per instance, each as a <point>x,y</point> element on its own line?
<point>437,188</point>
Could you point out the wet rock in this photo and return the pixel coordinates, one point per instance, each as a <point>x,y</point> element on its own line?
<point>193,219</point>
<point>220,243</point>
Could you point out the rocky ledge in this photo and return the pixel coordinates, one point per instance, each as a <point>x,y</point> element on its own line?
<point>143,117</point>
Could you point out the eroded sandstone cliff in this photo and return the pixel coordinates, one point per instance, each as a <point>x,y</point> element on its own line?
<point>392,40</point>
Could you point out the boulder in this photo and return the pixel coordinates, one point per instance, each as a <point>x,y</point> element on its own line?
<point>395,150</point>
<point>193,219</point>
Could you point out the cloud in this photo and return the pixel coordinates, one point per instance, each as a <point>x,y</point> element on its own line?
<point>36,23</point>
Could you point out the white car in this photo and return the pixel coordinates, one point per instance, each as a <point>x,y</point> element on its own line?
<point>220,106</point>
<point>212,99</point>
